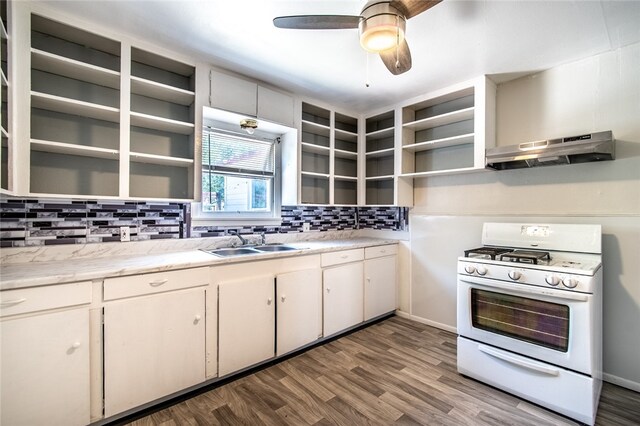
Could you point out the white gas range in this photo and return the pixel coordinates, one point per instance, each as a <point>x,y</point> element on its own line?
<point>530,314</point>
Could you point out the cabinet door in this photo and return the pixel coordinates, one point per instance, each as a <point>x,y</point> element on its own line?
<point>246,323</point>
<point>299,313</point>
<point>275,106</point>
<point>343,297</point>
<point>233,94</point>
<point>379,286</point>
<point>44,369</point>
<point>153,346</point>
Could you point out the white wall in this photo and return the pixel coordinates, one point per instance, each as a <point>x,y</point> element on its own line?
<point>597,93</point>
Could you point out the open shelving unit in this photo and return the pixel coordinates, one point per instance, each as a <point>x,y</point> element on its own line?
<point>447,132</point>
<point>101,129</point>
<point>75,111</point>
<point>380,159</point>
<point>345,160</point>
<point>315,154</point>
<point>162,135</point>
<point>329,157</point>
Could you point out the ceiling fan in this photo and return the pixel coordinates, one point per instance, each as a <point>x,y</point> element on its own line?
<point>381,25</point>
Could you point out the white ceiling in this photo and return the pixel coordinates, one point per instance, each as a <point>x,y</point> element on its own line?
<point>452,42</point>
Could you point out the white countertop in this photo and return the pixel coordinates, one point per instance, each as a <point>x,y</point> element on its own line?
<point>32,274</point>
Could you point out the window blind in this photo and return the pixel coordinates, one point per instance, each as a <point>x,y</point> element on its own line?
<point>233,154</point>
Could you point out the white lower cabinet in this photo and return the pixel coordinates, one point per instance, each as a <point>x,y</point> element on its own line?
<point>343,297</point>
<point>246,323</point>
<point>44,369</point>
<point>153,346</point>
<point>379,284</point>
<point>299,309</point>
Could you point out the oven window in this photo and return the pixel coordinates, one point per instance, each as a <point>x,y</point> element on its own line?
<point>541,323</point>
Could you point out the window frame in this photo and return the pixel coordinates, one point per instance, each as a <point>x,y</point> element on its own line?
<point>253,217</point>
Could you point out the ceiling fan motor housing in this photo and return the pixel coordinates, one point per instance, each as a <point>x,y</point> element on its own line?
<point>382,26</point>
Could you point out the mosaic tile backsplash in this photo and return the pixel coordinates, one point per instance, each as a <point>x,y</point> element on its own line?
<point>35,222</point>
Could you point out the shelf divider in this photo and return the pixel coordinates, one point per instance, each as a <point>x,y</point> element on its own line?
<point>73,149</point>
<point>74,107</point>
<point>440,143</point>
<point>164,92</point>
<point>163,160</point>
<point>56,64</point>
<point>148,121</point>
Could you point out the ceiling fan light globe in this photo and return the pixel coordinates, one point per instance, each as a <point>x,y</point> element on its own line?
<point>381,38</point>
<point>382,28</point>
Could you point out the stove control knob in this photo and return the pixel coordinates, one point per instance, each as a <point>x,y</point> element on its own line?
<point>481,270</point>
<point>469,269</point>
<point>570,282</point>
<point>515,275</point>
<point>552,280</point>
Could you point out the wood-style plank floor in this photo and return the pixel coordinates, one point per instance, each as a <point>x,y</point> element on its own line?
<point>394,372</point>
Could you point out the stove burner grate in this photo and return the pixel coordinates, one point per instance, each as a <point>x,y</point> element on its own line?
<point>524,256</point>
<point>492,252</point>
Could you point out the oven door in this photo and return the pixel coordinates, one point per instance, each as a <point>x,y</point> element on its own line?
<point>550,325</point>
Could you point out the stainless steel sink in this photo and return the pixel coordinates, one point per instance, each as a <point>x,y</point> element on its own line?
<point>276,247</point>
<point>226,252</point>
<point>242,251</point>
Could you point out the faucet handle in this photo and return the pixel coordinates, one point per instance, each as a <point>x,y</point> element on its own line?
<point>263,238</point>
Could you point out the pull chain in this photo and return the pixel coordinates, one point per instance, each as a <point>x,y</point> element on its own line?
<point>367,81</point>
<point>397,42</point>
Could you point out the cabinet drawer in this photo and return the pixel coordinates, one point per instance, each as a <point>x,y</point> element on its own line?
<point>379,251</point>
<point>344,256</point>
<point>157,282</point>
<point>35,299</point>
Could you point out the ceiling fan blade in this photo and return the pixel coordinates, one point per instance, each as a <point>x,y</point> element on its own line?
<point>317,22</point>
<point>411,8</point>
<point>397,60</point>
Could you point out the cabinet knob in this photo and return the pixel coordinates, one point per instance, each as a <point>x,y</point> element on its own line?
<point>344,256</point>
<point>269,300</point>
<point>328,289</point>
<point>76,345</point>
<point>197,318</point>
<point>284,297</point>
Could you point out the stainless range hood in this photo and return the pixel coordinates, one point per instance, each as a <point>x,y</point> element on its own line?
<point>570,150</point>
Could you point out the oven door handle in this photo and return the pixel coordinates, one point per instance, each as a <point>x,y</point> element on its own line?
<point>527,289</point>
<point>530,365</point>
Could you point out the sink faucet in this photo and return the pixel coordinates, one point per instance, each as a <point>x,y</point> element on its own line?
<point>263,238</point>
<point>237,234</point>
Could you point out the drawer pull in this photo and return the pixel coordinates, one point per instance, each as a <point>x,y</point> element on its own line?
<point>383,251</point>
<point>158,283</point>
<point>12,302</point>
<point>344,256</point>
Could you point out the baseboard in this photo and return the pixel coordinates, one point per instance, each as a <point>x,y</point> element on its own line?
<point>610,378</point>
<point>426,321</point>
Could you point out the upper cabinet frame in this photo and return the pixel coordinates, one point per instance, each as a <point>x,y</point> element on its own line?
<point>101,115</point>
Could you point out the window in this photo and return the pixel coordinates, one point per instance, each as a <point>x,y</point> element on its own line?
<point>238,175</point>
